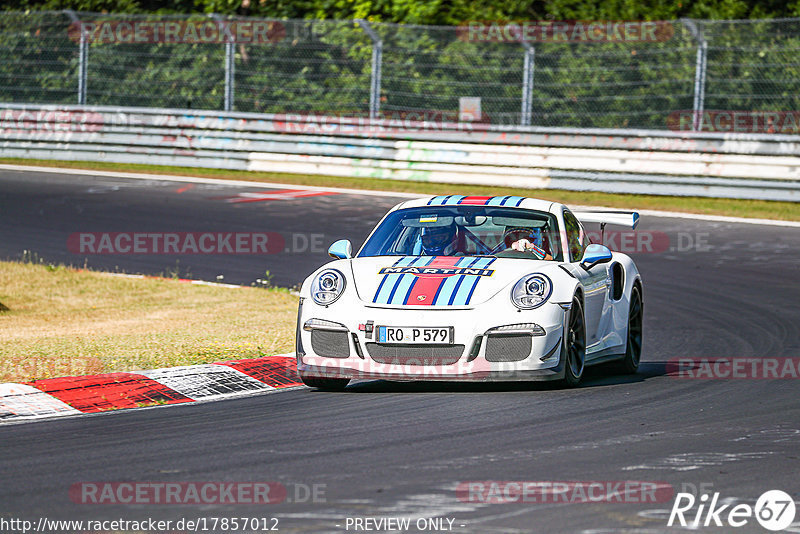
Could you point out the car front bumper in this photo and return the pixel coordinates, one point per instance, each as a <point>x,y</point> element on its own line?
<point>487,344</point>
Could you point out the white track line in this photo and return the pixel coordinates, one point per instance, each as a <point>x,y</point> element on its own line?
<point>245,183</point>
<point>213,181</point>
<point>718,218</point>
<point>186,280</point>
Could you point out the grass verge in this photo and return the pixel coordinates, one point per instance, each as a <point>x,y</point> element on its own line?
<point>58,321</point>
<point>761,209</point>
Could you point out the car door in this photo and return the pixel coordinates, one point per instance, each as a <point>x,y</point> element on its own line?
<point>595,282</point>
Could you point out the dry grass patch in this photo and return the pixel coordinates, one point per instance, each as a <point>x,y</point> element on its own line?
<point>57,321</point>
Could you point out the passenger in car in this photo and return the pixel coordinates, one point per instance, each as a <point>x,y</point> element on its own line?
<point>529,240</point>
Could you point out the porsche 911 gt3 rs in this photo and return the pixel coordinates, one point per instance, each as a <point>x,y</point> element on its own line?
<point>470,289</point>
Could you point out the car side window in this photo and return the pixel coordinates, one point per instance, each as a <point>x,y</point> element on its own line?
<point>585,239</point>
<point>576,238</point>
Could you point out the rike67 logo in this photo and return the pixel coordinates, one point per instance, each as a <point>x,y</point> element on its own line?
<point>774,510</point>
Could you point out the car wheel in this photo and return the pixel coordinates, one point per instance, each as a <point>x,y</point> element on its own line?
<point>574,345</point>
<point>633,351</point>
<point>329,384</point>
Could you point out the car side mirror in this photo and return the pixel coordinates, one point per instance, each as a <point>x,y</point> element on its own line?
<point>341,249</point>
<point>595,254</point>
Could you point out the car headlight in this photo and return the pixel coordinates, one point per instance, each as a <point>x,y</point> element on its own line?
<point>327,287</point>
<point>531,291</point>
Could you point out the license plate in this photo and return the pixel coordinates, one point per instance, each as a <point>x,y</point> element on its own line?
<point>416,334</point>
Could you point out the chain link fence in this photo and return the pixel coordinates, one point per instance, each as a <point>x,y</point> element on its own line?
<point>379,70</point>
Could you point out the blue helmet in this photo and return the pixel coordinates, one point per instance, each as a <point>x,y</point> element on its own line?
<point>439,240</point>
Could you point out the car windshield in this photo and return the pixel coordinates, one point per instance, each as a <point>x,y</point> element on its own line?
<point>466,231</point>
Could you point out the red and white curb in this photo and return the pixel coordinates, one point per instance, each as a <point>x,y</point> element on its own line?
<point>75,395</point>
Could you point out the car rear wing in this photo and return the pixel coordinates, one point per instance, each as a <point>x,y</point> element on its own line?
<point>629,219</point>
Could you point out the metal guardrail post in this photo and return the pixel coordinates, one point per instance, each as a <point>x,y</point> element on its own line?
<point>377,62</point>
<point>83,57</point>
<point>527,84</point>
<point>698,104</point>
<point>230,66</point>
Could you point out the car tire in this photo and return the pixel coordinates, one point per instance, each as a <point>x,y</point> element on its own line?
<point>574,350</point>
<point>633,350</point>
<point>327,384</point>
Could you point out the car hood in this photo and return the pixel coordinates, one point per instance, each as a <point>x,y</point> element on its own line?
<point>436,281</point>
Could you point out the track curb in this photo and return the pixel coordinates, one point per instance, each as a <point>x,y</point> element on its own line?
<point>78,395</point>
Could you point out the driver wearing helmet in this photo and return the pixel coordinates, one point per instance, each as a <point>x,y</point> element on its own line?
<point>525,239</point>
<point>439,240</point>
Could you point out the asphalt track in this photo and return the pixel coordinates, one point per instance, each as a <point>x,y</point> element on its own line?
<point>384,449</point>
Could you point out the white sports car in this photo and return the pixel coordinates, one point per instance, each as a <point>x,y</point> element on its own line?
<point>472,288</point>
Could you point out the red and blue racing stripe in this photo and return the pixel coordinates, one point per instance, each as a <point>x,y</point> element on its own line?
<point>439,289</point>
<point>461,200</point>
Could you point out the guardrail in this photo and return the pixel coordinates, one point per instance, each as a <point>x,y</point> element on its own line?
<point>760,166</point>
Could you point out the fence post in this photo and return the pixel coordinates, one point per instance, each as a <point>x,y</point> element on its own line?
<point>698,105</point>
<point>527,84</point>
<point>83,57</point>
<point>377,65</point>
<point>230,65</point>
<point>230,69</point>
